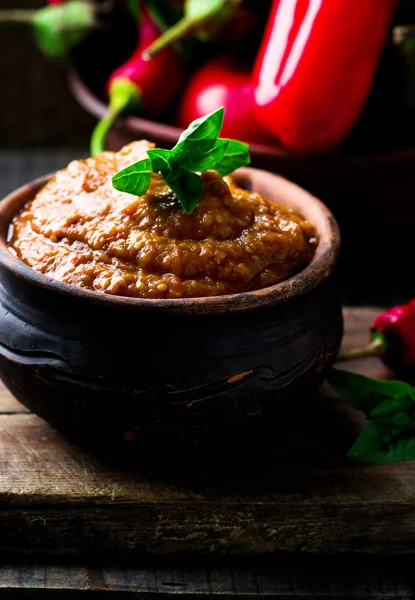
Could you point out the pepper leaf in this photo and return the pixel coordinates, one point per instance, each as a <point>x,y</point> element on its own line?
<point>237,155</point>
<point>389,406</point>
<point>379,444</point>
<point>365,394</point>
<point>188,188</point>
<point>134,179</point>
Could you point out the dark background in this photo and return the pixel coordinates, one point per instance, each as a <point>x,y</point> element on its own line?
<point>42,128</point>
<point>37,108</point>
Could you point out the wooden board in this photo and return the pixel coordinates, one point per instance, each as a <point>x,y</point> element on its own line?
<point>292,492</point>
<point>224,578</point>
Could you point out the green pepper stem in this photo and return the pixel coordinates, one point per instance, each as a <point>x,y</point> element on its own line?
<point>123,94</point>
<point>101,131</point>
<point>191,25</point>
<point>17,16</point>
<point>375,348</point>
<point>172,35</point>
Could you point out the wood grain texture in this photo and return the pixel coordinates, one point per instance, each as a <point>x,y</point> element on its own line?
<point>292,491</point>
<point>8,404</point>
<point>275,579</point>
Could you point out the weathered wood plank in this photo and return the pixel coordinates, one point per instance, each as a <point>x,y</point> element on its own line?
<point>292,491</point>
<point>8,404</point>
<point>273,580</point>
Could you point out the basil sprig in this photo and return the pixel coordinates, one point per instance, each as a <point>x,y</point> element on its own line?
<point>389,406</point>
<point>198,149</point>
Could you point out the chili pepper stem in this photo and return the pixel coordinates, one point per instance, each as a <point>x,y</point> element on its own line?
<point>175,33</point>
<point>375,348</point>
<point>101,131</point>
<point>17,16</point>
<point>123,94</point>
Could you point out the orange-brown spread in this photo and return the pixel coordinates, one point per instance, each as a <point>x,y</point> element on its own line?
<point>80,230</point>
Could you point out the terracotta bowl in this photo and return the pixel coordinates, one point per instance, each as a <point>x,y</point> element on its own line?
<point>118,367</point>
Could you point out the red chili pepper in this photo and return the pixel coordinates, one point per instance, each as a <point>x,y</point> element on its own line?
<point>222,81</point>
<point>146,84</point>
<point>392,339</point>
<point>315,68</point>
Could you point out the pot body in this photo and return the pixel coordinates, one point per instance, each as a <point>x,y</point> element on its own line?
<point>126,371</point>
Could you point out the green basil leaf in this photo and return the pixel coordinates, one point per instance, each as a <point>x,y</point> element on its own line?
<point>197,150</point>
<point>134,179</point>
<point>237,155</point>
<point>401,418</point>
<point>207,127</point>
<point>389,406</point>
<point>201,156</point>
<point>379,443</point>
<point>364,393</point>
<point>161,160</point>
<point>386,408</point>
<point>188,188</point>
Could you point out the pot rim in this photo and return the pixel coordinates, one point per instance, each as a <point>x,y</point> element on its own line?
<point>320,267</point>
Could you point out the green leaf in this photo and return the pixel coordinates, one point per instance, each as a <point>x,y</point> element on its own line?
<point>161,160</point>
<point>390,407</point>
<point>188,188</point>
<point>201,156</point>
<point>204,128</point>
<point>197,150</point>
<point>389,435</point>
<point>134,179</point>
<point>237,155</point>
<point>365,393</point>
<point>379,444</point>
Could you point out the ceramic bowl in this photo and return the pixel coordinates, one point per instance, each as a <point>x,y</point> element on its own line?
<point>117,367</point>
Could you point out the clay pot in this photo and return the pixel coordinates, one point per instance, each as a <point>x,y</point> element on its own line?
<point>119,367</point>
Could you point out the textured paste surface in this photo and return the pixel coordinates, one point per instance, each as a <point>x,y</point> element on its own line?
<point>80,230</point>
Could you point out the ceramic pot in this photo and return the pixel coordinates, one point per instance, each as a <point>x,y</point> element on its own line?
<point>115,367</point>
